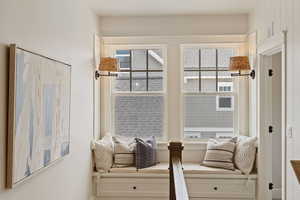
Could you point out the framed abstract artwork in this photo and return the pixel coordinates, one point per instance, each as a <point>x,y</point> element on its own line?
<point>39,113</point>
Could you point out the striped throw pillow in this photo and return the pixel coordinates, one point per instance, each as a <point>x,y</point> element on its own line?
<point>219,154</point>
<point>123,152</point>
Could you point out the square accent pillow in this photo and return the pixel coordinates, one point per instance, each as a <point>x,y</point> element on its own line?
<point>103,152</point>
<point>123,152</point>
<point>145,152</point>
<point>219,154</point>
<point>245,154</point>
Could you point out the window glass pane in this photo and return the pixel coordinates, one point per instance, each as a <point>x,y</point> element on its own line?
<point>191,58</point>
<point>139,81</point>
<point>225,75</point>
<point>208,81</point>
<point>225,80</point>
<point>208,58</point>
<point>124,58</point>
<point>224,55</point>
<point>155,59</point>
<point>139,60</point>
<point>155,81</point>
<point>139,116</point>
<point>122,82</point>
<point>191,81</point>
<point>202,120</point>
<point>225,102</point>
<point>225,86</point>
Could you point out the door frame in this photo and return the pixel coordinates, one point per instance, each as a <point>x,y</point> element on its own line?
<point>267,49</point>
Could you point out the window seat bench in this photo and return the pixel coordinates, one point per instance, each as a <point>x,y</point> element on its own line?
<point>203,183</point>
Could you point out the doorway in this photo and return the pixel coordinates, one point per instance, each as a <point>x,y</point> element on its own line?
<point>272,121</point>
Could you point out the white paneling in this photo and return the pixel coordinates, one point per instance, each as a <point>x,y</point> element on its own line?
<point>287,18</point>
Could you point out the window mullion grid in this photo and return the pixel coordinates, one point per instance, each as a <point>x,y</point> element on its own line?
<point>200,62</point>
<point>217,73</point>
<point>130,71</point>
<point>147,72</point>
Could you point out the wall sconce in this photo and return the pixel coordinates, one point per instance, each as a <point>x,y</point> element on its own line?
<point>241,63</point>
<point>109,65</point>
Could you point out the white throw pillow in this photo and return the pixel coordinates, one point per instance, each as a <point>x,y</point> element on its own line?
<point>103,151</point>
<point>245,154</point>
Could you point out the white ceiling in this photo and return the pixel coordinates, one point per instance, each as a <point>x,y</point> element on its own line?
<point>170,7</point>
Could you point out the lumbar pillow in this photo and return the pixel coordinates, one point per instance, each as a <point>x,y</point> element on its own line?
<point>219,154</point>
<point>145,152</point>
<point>103,151</point>
<point>245,154</point>
<point>123,152</point>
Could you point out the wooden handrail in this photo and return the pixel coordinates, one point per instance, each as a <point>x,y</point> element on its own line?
<point>178,190</point>
<point>179,182</point>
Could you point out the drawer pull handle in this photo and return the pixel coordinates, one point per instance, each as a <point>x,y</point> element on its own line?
<point>134,187</point>
<point>216,188</point>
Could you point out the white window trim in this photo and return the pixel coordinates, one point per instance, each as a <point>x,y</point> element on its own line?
<point>208,129</point>
<point>238,51</point>
<point>186,78</point>
<point>218,108</point>
<point>110,51</point>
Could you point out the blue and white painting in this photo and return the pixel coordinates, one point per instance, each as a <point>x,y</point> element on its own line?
<point>42,113</point>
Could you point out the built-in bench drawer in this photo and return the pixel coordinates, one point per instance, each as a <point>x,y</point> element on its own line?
<point>155,186</point>
<point>221,188</point>
<point>132,187</point>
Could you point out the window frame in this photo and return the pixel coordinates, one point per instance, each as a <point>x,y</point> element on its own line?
<point>238,51</point>
<point>111,51</point>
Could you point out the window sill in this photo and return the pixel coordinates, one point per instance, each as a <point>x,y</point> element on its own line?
<point>188,145</point>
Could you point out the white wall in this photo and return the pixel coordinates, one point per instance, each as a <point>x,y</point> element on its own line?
<point>293,93</point>
<point>174,25</point>
<point>62,29</point>
<point>252,21</point>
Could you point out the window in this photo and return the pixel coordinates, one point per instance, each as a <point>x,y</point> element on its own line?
<point>224,103</point>
<point>208,92</point>
<point>138,93</point>
<point>225,86</point>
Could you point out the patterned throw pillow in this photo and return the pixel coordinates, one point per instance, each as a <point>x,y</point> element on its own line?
<point>123,152</point>
<point>103,151</point>
<point>145,153</point>
<point>219,154</point>
<point>245,154</point>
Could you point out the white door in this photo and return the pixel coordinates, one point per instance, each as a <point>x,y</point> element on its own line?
<point>265,137</point>
<point>276,124</point>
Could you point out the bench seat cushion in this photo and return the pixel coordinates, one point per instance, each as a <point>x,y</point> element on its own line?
<point>189,168</point>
